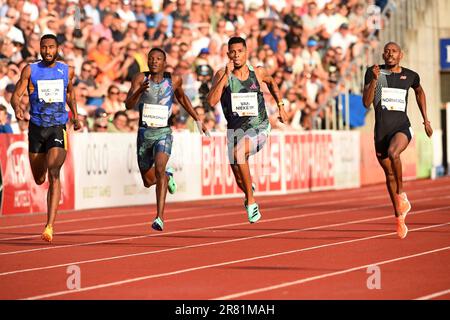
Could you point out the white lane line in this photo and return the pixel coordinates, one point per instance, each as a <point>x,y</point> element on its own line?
<point>306,205</point>
<point>326,275</point>
<point>305,197</point>
<point>209,243</point>
<point>131,280</point>
<point>198,207</point>
<point>434,295</point>
<point>214,227</point>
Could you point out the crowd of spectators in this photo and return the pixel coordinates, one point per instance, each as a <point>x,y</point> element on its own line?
<point>306,45</point>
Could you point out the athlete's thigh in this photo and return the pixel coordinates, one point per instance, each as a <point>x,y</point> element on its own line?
<point>399,142</point>
<point>56,157</point>
<point>38,164</point>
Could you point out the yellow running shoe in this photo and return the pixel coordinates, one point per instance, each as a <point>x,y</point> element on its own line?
<point>47,235</point>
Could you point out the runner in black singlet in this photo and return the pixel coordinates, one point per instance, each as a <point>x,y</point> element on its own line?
<point>387,88</point>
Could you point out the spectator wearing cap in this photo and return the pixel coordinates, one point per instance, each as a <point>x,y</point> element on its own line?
<point>99,123</point>
<point>343,38</point>
<point>311,56</point>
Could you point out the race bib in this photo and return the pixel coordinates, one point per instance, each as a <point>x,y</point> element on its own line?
<point>245,104</point>
<point>51,90</point>
<point>155,115</point>
<point>393,99</point>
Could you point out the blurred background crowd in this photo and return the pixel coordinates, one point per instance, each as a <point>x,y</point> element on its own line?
<point>306,45</point>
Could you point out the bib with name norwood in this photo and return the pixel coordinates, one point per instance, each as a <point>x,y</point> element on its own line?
<point>155,115</point>
<point>393,99</point>
<point>245,104</point>
<point>51,91</point>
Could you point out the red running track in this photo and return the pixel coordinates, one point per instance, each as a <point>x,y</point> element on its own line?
<point>319,245</point>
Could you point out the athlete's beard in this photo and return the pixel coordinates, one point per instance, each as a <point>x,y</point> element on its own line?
<point>50,62</point>
<point>389,66</point>
<point>238,67</point>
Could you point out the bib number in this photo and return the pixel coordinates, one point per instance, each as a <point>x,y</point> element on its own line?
<point>51,91</point>
<point>155,115</point>
<point>245,104</point>
<point>393,99</point>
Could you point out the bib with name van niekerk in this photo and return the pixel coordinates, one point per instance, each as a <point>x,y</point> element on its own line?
<point>393,99</point>
<point>245,104</point>
<point>51,91</point>
<point>155,115</point>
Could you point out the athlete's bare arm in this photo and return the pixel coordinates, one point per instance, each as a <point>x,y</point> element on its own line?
<point>274,91</point>
<point>19,91</point>
<point>422,103</point>
<point>220,81</point>
<point>185,102</point>
<point>138,86</point>
<point>72,100</point>
<point>369,89</point>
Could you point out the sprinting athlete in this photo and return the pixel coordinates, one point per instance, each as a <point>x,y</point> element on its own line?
<point>49,85</point>
<point>154,93</point>
<point>238,88</point>
<point>387,88</point>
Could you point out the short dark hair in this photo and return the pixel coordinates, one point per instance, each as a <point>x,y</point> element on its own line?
<point>393,43</point>
<point>49,36</point>
<point>234,40</point>
<point>158,50</point>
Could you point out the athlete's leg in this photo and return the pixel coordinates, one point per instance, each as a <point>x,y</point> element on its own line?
<point>55,160</point>
<point>391,182</point>
<point>161,160</point>
<point>397,145</point>
<point>241,154</point>
<point>38,163</point>
<point>149,177</point>
<point>237,176</point>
